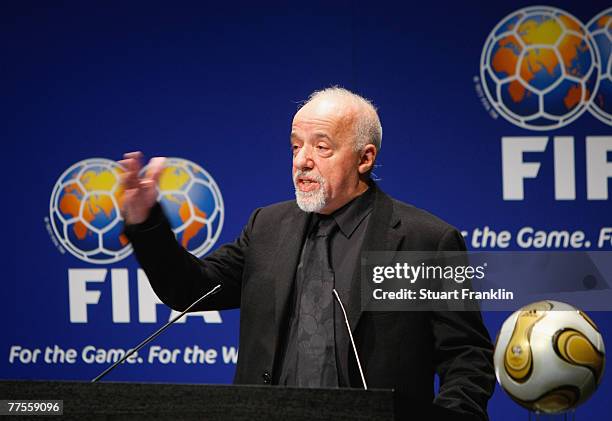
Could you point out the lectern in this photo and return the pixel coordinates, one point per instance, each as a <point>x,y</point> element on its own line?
<point>154,401</point>
<point>151,401</point>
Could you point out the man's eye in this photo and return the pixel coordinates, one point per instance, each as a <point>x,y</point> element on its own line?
<point>322,147</point>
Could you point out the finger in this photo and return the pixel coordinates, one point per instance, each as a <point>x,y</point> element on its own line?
<point>131,165</point>
<point>156,166</point>
<point>134,161</point>
<point>125,164</point>
<point>133,155</point>
<point>128,179</point>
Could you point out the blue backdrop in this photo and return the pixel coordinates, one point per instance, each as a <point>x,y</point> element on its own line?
<point>217,85</point>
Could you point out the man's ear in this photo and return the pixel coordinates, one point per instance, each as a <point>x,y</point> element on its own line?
<point>367,158</point>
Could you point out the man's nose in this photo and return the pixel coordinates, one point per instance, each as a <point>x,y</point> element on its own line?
<point>303,159</point>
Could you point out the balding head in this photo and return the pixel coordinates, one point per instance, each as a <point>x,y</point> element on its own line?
<point>357,110</point>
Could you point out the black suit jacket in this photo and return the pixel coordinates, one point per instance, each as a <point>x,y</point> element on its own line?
<point>398,350</point>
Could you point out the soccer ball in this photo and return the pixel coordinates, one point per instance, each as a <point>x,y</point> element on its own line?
<point>539,68</point>
<point>192,202</point>
<point>84,211</point>
<point>549,357</point>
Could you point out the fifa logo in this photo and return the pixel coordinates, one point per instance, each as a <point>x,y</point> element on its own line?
<point>541,69</point>
<point>85,219</point>
<point>84,209</point>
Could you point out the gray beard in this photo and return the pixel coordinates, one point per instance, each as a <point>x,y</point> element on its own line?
<point>312,201</point>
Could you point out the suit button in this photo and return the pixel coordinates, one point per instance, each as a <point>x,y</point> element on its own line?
<point>267,377</point>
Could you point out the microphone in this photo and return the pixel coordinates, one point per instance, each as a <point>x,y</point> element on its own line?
<point>156,333</point>
<point>348,327</point>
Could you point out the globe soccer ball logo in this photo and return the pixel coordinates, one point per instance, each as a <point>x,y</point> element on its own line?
<point>86,201</point>
<point>539,68</point>
<point>600,28</point>
<point>84,211</point>
<point>549,357</point>
<point>193,204</point>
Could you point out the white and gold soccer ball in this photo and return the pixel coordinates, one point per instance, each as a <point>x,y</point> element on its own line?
<point>549,357</point>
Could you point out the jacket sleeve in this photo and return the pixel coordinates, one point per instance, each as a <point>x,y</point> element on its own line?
<point>178,277</point>
<point>463,354</point>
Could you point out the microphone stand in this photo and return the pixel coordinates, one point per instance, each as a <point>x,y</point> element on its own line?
<point>348,327</point>
<point>156,333</point>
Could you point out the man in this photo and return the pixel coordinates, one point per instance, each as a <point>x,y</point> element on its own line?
<point>283,267</point>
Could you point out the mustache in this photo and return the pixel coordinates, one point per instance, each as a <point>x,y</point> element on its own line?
<point>307,174</point>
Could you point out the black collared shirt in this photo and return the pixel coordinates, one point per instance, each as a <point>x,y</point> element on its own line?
<point>345,248</point>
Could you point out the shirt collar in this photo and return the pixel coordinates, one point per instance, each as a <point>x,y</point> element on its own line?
<point>349,216</point>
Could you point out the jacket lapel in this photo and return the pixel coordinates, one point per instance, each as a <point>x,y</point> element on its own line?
<point>292,230</point>
<point>380,235</point>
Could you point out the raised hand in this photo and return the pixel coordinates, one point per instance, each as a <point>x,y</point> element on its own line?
<point>139,193</point>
